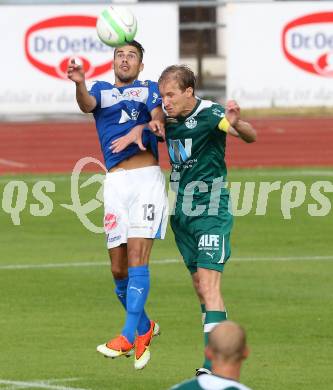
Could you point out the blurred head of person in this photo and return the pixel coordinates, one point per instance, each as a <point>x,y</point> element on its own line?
<point>227,349</point>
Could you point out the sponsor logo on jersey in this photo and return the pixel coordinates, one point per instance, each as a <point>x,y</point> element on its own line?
<point>110,97</point>
<point>218,112</point>
<point>135,114</point>
<point>209,242</point>
<point>110,222</point>
<point>155,97</point>
<point>191,123</point>
<point>50,43</point>
<point>180,152</point>
<point>307,43</point>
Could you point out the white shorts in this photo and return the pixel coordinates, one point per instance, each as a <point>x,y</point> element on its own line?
<point>135,205</point>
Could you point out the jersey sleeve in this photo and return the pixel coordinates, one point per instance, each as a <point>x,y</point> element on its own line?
<point>154,98</point>
<point>218,120</point>
<point>95,91</point>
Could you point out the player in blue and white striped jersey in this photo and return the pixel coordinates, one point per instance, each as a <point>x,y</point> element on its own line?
<point>135,200</point>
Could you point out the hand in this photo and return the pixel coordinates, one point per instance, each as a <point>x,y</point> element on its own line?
<point>75,71</point>
<point>134,136</point>
<point>157,127</point>
<point>232,112</point>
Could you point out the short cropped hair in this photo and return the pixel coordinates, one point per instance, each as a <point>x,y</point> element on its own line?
<point>228,341</point>
<point>136,44</point>
<point>182,74</point>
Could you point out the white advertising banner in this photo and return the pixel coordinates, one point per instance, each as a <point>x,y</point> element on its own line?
<point>38,41</point>
<point>280,54</point>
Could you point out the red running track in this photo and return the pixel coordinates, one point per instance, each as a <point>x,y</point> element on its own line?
<point>39,147</point>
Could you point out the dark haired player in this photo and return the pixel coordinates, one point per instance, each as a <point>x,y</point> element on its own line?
<point>135,201</point>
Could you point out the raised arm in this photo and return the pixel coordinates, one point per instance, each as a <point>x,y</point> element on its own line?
<point>85,101</point>
<point>243,130</point>
<point>156,124</point>
<point>239,128</point>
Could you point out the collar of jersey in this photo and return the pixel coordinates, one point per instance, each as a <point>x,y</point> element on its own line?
<point>211,377</point>
<point>132,85</point>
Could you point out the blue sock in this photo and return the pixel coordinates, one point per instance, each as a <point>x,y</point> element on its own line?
<point>137,293</point>
<point>144,324</point>
<point>121,289</point>
<point>121,292</point>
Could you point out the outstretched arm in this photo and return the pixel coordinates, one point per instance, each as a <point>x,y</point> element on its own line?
<point>156,124</point>
<point>85,101</point>
<point>243,130</point>
<point>239,128</point>
<point>134,136</point>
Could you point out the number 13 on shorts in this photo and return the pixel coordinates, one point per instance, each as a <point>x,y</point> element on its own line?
<point>148,212</point>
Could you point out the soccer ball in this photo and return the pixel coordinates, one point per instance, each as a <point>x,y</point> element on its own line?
<point>116,26</point>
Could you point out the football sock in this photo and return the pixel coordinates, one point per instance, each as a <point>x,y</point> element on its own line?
<point>121,289</point>
<point>121,292</point>
<point>137,293</point>
<point>213,318</point>
<point>144,324</point>
<point>203,313</point>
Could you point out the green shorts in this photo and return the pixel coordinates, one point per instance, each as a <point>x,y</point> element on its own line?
<point>202,241</point>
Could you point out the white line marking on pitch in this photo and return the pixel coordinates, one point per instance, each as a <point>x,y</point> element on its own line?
<point>159,262</point>
<point>284,258</point>
<point>254,172</point>
<point>11,163</point>
<point>284,173</point>
<point>52,265</point>
<point>40,384</point>
<point>35,179</point>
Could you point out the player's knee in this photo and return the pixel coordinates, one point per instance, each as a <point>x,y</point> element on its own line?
<point>196,286</point>
<point>133,254</point>
<point>119,272</point>
<point>137,257</point>
<point>208,292</point>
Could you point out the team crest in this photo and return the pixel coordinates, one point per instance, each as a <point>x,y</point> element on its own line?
<point>191,123</point>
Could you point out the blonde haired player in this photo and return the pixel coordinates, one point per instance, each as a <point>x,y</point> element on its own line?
<point>196,132</point>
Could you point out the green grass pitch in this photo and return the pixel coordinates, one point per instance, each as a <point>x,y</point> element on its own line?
<point>278,284</point>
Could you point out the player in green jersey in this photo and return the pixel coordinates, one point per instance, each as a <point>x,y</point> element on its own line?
<point>227,350</point>
<point>196,132</point>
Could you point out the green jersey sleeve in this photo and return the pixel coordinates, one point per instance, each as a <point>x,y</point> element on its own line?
<point>218,121</point>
